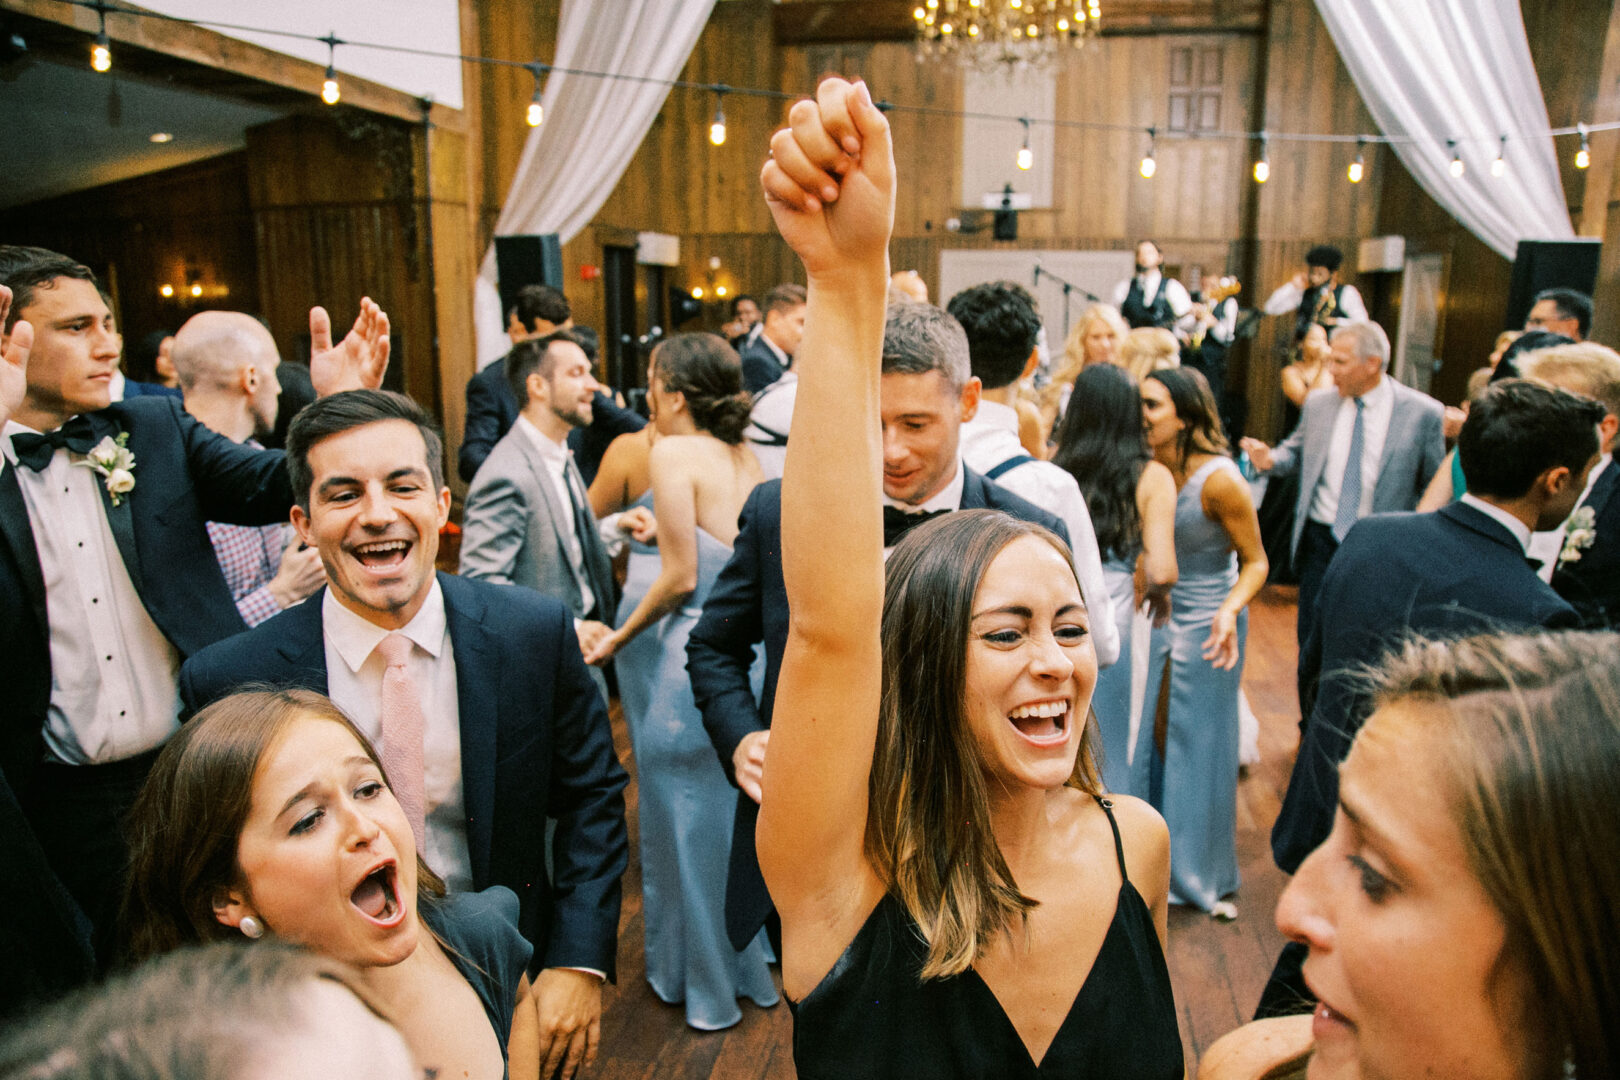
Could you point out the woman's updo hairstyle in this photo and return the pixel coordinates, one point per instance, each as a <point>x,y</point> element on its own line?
<point>706,369</point>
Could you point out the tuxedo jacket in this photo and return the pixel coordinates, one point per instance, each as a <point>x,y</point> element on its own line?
<point>1447,574</point>
<point>760,367</point>
<point>1413,450</point>
<point>492,409</point>
<point>748,605</point>
<point>1591,583</point>
<point>515,529</point>
<point>185,475</point>
<point>535,744</point>
<point>134,389</point>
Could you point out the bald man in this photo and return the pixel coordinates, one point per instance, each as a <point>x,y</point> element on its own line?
<point>227,362</point>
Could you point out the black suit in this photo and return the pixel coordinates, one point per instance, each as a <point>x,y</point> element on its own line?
<point>760,366</point>
<point>492,410</point>
<point>185,475</point>
<point>1447,574</point>
<point>1591,583</point>
<point>535,743</point>
<point>748,605</point>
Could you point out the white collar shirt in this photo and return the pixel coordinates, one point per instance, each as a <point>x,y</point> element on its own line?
<point>991,438</point>
<point>557,459</point>
<point>115,387</point>
<point>1520,531</point>
<point>781,356</point>
<point>1378,405</point>
<point>354,673</point>
<point>113,673</point>
<point>1547,545</point>
<point>948,497</point>
<point>769,422</point>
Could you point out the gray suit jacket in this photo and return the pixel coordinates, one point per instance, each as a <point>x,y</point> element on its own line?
<point>515,528</point>
<point>1413,450</point>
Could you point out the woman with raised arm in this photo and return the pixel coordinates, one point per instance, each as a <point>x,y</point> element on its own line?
<point>957,899</point>
<point>702,472</point>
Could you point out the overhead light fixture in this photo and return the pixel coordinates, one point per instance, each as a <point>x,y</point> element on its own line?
<point>166,291</point>
<point>995,35</point>
<point>101,50</point>
<point>1262,165</point>
<point>1456,167</point>
<point>717,126</point>
<point>330,92</point>
<point>697,292</point>
<point>720,291</point>
<point>1499,166</point>
<point>160,137</point>
<point>1583,156</point>
<point>196,290</point>
<point>1026,156</point>
<point>1358,167</point>
<point>536,114</point>
<point>1150,164</point>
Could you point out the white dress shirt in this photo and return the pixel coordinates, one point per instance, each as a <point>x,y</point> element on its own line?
<point>1174,291</point>
<point>991,438</point>
<point>115,387</point>
<point>1520,531</point>
<point>354,673</point>
<point>1379,406</point>
<point>772,416</point>
<point>1288,296</point>
<point>556,457</point>
<point>1547,545</point>
<point>948,497</point>
<point>113,673</point>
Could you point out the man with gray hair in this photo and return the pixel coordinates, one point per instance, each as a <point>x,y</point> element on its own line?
<point>928,392</point>
<point>227,363</point>
<point>1368,446</point>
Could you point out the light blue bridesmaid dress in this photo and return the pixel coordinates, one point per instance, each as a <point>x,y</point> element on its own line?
<point>686,806</point>
<point>1198,797</point>
<point>1122,772</point>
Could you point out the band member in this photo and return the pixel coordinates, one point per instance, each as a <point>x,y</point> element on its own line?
<point>1316,295</point>
<point>1149,298</point>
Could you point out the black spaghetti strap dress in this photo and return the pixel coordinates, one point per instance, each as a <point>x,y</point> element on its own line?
<point>872,1017</point>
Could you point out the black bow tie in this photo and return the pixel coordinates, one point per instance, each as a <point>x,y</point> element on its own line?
<point>1535,564</point>
<point>36,451</point>
<point>897,522</point>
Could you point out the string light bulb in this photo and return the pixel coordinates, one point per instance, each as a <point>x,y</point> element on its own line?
<point>1499,166</point>
<point>1583,156</point>
<point>1457,167</point>
<point>330,92</point>
<point>1358,167</point>
<point>717,127</point>
<point>697,292</point>
<point>101,52</point>
<point>1026,156</point>
<point>536,114</point>
<point>1262,165</point>
<point>1150,164</point>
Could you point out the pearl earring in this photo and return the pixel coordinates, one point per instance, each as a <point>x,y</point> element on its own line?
<point>251,927</point>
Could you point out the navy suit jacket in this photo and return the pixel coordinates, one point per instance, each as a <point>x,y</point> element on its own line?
<point>748,605</point>
<point>1451,573</point>
<point>760,367</point>
<point>185,475</point>
<point>1591,583</point>
<point>135,389</point>
<point>535,743</point>
<point>492,410</point>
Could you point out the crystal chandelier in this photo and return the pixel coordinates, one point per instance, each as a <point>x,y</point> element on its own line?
<point>990,34</point>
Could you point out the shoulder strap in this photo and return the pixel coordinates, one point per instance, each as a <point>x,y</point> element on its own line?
<point>1006,466</point>
<point>772,437</point>
<point>1119,845</point>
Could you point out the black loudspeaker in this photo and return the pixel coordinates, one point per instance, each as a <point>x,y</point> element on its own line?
<point>526,260</point>
<point>1550,264</point>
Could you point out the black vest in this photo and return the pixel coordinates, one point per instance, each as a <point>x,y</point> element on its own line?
<point>1307,312</point>
<point>1152,313</point>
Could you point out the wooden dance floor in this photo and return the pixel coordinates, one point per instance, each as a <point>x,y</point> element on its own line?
<point>1217,969</point>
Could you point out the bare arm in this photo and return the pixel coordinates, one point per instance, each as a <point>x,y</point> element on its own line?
<point>610,490</point>
<point>1156,503</point>
<point>1294,387</point>
<point>830,186</point>
<point>1227,501</point>
<point>1439,492</point>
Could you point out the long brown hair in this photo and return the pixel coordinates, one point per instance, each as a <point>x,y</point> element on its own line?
<point>187,820</point>
<point>928,830</point>
<point>1526,738</point>
<point>1194,403</point>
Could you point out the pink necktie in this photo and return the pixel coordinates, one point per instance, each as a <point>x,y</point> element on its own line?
<point>402,732</point>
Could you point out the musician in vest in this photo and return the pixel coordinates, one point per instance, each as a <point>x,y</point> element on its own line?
<point>1148,298</point>
<point>1316,295</point>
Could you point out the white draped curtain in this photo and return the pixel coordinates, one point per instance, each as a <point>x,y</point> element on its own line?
<point>1433,70</point>
<point>592,128</point>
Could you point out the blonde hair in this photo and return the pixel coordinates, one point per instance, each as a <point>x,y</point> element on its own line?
<point>1526,736</point>
<point>1148,349</point>
<point>1074,355</point>
<point>1585,368</point>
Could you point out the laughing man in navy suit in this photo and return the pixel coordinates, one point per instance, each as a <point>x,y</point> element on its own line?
<point>928,392</point>
<point>516,731</point>
<point>107,577</point>
<point>1525,452</point>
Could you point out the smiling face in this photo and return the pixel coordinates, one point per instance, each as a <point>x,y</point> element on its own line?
<point>76,348</point>
<point>570,389</point>
<point>1030,666</point>
<point>922,418</point>
<point>326,857</point>
<point>375,517</point>
<point>1159,420</point>
<point>1405,946</point>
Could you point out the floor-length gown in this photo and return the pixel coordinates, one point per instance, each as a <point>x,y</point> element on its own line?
<point>1200,765</point>
<point>686,807</point>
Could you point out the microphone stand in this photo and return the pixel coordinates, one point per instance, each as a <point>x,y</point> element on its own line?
<point>1068,288</point>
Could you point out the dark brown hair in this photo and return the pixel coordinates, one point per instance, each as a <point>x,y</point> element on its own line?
<point>187,820</point>
<point>345,411</point>
<point>928,830</point>
<point>1194,403</point>
<point>707,371</point>
<point>25,270</point>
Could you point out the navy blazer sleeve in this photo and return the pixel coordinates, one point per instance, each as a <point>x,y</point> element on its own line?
<point>488,407</point>
<point>232,483</point>
<point>586,799</point>
<point>720,651</point>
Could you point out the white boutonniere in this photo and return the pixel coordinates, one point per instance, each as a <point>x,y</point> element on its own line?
<point>112,459</point>
<point>1579,535</point>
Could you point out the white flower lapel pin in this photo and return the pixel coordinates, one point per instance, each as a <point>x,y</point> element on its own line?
<point>1578,535</point>
<point>112,459</point>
